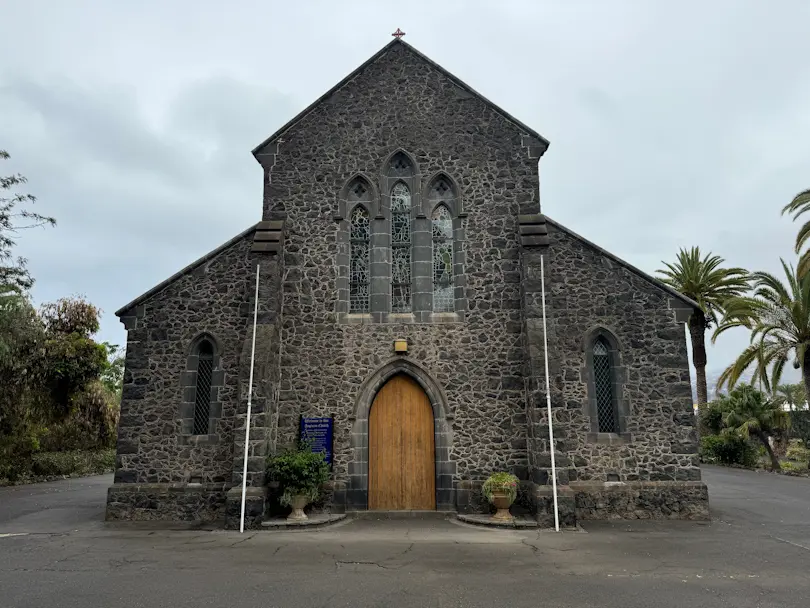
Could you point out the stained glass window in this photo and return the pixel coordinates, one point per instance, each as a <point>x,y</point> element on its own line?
<point>603,385</point>
<point>359,263</point>
<point>400,248</point>
<point>442,227</point>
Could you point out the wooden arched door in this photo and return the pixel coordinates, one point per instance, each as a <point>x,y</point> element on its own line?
<point>401,451</point>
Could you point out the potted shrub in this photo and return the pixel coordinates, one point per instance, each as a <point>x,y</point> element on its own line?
<point>300,473</point>
<point>500,490</point>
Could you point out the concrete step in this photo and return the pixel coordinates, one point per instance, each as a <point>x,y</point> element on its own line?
<point>376,515</point>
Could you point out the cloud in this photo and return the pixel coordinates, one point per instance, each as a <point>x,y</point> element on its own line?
<point>135,202</point>
<point>670,124</point>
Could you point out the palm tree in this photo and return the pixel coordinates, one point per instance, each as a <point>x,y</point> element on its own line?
<point>705,281</point>
<point>750,412</point>
<point>798,206</point>
<point>778,315</point>
<point>791,394</point>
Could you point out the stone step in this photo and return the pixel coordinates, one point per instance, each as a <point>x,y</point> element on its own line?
<point>402,514</point>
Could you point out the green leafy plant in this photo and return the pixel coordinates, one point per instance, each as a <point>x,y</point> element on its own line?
<point>797,451</point>
<point>505,483</point>
<point>727,448</point>
<point>794,468</point>
<point>752,414</point>
<point>299,471</point>
<point>710,417</point>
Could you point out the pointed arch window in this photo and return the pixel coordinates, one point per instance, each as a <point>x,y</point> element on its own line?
<point>400,248</point>
<point>603,379</point>
<point>443,283</point>
<point>359,240</point>
<point>202,394</point>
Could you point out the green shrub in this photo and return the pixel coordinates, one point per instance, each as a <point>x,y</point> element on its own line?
<point>299,471</point>
<point>48,464</point>
<point>500,482</point>
<point>793,467</point>
<point>797,451</point>
<point>16,451</point>
<point>727,448</point>
<point>710,418</point>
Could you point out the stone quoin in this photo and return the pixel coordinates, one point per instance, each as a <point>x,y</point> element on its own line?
<point>402,207</point>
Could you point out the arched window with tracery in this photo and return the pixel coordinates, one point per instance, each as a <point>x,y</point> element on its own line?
<point>443,279</point>
<point>359,243</point>
<point>400,248</point>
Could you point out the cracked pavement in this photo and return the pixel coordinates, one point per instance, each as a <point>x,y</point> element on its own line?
<point>55,550</point>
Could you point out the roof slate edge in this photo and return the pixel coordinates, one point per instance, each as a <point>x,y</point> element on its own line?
<point>649,278</point>
<point>195,264</point>
<point>291,123</point>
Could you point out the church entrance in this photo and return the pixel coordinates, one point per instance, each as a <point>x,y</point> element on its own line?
<point>401,453</point>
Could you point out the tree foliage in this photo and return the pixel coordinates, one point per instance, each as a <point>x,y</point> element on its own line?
<point>74,358</point>
<point>778,315</point>
<point>15,216</point>
<point>751,413</point>
<point>798,207</point>
<point>794,396</point>
<point>704,279</point>
<point>59,388</point>
<point>52,396</point>
<point>112,373</point>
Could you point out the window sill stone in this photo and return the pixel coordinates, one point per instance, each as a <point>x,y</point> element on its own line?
<point>198,439</point>
<point>609,438</point>
<point>401,318</point>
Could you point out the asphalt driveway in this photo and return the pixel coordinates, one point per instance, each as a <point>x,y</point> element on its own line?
<point>55,551</point>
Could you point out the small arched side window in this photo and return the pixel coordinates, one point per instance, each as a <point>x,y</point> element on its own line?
<point>202,397</point>
<point>603,380</point>
<point>359,240</point>
<point>400,248</point>
<point>443,283</point>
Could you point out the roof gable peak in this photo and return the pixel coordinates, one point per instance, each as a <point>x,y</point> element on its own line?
<point>542,142</point>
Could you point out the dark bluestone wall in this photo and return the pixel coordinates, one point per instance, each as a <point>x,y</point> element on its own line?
<point>476,354</point>
<point>154,445</point>
<point>589,292</point>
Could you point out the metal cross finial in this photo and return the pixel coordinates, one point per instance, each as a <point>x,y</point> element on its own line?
<point>398,34</point>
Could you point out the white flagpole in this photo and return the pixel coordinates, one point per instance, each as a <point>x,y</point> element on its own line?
<point>548,400</point>
<point>250,396</point>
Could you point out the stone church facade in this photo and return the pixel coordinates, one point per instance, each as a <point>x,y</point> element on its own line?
<point>402,205</point>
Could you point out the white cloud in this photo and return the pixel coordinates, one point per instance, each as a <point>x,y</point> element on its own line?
<point>670,124</point>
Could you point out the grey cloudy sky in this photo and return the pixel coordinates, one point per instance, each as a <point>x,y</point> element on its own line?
<point>671,124</point>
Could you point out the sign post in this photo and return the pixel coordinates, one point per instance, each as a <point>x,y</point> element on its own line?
<point>250,396</point>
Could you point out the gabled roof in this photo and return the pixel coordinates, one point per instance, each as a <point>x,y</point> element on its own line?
<point>195,264</point>
<point>649,278</point>
<point>523,127</point>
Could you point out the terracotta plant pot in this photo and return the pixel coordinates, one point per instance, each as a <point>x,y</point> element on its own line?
<point>501,502</point>
<point>299,501</point>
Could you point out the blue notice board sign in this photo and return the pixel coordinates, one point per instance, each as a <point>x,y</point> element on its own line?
<point>319,432</point>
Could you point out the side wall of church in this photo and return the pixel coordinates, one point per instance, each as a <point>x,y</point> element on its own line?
<point>155,441</point>
<point>402,102</point>
<point>589,292</point>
